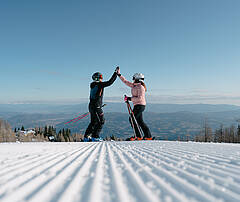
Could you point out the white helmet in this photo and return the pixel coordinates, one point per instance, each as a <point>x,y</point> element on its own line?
<point>138,76</point>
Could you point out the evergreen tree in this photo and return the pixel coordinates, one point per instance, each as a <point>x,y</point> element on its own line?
<point>207,132</point>
<point>221,133</point>
<point>65,135</point>
<point>238,134</point>
<point>50,130</point>
<point>59,136</point>
<point>54,133</point>
<point>45,132</point>
<point>232,134</point>
<point>113,137</point>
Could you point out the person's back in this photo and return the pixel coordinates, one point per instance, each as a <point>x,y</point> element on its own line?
<point>96,93</point>
<point>138,93</point>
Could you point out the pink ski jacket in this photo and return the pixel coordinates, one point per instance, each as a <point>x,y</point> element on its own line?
<point>138,92</point>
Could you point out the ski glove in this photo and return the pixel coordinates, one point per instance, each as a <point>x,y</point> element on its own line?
<point>126,98</point>
<point>117,70</point>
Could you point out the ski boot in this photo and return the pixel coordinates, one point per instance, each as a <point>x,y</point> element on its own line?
<point>148,138</point>
<point>97,139</point>
<point>87,139</point>
<point>131,138</point>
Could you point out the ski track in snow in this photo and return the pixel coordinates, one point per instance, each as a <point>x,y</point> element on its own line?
<point>145,171</point>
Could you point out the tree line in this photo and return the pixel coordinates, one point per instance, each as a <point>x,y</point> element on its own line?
<point>222,134</point>
<point>207,134</point>
<point>65,135</point>
<point>50,133</point>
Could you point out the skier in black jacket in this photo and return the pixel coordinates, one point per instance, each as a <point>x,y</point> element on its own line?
<point>95,106</point>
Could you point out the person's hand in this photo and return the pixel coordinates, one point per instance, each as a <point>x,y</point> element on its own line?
<point>126,98</point>
<point>117,70</point>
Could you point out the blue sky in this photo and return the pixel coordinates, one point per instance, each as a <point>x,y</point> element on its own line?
<point>188,50</point>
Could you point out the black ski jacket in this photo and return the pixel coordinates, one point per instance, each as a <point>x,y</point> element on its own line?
<point>97,89</point>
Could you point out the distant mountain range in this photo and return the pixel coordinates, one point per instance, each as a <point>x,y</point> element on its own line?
<point>166,121</point>
<point>114,107</point>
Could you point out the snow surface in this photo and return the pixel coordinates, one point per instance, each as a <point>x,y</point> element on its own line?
<point>119,171</point>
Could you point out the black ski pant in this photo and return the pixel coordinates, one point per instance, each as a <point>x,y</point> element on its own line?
<point>138,113</point>
<point>97,122</point>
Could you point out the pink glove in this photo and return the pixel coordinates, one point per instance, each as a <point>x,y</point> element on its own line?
<point>126,98</point>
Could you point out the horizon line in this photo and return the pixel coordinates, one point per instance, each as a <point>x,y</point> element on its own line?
<point>79,103</point>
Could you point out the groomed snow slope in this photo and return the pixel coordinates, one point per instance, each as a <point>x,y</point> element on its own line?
<point>119,171</point>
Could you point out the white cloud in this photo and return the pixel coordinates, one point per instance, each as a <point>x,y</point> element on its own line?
<point>194,99</point>
<point>193,96</point>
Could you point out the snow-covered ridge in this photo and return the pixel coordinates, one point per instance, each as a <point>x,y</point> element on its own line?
<point>119,171</point>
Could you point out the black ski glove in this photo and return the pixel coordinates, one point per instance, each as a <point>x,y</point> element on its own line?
<point>117,70</point>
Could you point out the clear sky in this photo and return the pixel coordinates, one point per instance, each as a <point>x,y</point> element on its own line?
<point>188,50</point>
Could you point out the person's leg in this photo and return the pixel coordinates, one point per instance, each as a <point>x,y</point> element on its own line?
<point>137,113</point>
<point>99,123</point>
<point>92,123</point>
<point>138,110</point>
<point>89,129</point>
<point>134,126</point>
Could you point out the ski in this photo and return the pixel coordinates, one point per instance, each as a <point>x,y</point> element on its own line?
<point>139,139</point>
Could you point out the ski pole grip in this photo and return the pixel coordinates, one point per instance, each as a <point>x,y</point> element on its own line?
<point>125,98</point>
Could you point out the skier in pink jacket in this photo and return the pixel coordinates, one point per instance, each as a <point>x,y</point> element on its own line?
<point>138,90</point>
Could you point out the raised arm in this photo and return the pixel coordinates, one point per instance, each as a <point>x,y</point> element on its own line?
<point>128,83</point>
<point>110,81</point>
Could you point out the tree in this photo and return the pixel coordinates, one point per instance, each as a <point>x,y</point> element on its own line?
<point>218,136</point>
<point>207,132</point>
<point>54,133</point>
<point>232,134</point>
<point>238,134</point>
<point>22,128</point>
<point>66,135</point>
<point>221,133</point>
<point>226,135</point>
<point>113,137</point>
<point>59,139</point>
<point>45,131</point>
<point>6,133</point>
<point>50,130</point>
<point>187,137</point>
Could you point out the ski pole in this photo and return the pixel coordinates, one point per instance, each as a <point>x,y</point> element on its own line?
<point>82,116</point>
<point>76,118</point>
<point>139,129</point>
<point>131,119</point>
